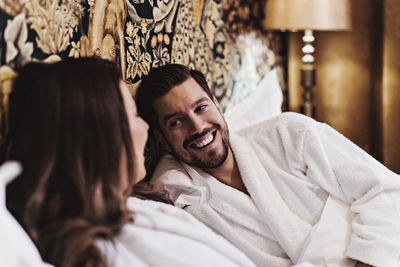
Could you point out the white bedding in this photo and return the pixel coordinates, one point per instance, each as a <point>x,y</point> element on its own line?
<point>264,103</point>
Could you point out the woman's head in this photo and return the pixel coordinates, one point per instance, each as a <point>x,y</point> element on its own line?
<point>139,132</point>
<point>74,130</point>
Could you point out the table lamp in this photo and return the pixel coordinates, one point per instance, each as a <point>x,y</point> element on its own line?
<point>308,16</point>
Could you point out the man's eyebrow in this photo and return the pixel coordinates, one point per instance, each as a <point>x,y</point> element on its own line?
<point>199,101</point>
<point>171,115</point>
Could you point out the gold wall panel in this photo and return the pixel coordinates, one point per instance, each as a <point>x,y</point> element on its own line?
<point>355,93</point>
<point>391,85</point>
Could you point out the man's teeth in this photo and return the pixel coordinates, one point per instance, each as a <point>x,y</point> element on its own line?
<point>205,141</point>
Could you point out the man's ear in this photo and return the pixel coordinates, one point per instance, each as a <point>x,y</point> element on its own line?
<point>161,139</point>
<point>215,100</point>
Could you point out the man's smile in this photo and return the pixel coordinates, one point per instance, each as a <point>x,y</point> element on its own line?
<point>192,125</point>
<point>204,141</point>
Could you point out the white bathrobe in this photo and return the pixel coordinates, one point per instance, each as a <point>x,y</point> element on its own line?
<point>163,235</point>
<point>313,193</point>
<point>160,235</point>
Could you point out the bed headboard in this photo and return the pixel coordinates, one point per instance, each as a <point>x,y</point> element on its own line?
<point>223,39</point>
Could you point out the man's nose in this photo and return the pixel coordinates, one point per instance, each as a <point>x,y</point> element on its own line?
<point>196,124</point>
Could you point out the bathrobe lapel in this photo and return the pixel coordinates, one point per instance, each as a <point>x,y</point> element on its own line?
<point>288,228</point>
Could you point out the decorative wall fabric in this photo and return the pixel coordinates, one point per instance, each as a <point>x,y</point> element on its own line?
<point>221,38</point>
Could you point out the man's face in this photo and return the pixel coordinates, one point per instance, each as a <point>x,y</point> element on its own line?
<point>192,125</point>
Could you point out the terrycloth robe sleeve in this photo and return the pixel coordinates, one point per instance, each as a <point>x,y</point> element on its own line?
<point>163,235</point>
<point>370,189</point>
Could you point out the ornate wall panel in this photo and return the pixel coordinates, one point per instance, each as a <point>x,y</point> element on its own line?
<point>221,38</point>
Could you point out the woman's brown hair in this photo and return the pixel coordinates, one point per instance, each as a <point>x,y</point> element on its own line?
<point>68,127</point>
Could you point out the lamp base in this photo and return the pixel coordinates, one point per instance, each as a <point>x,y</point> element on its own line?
<point>308,110</point>
<point>308,81</point>
<point>308,74</point>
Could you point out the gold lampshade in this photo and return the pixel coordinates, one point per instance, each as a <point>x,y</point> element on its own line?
<point>319,15</point>
<point>308,15</point>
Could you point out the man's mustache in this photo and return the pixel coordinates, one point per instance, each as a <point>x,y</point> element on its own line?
<point>199,135</point>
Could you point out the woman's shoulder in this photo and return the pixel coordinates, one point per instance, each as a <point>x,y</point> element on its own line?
<point>167,215</point>
<point>190,243</point>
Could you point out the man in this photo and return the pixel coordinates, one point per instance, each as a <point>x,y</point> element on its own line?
<point>286,190</point>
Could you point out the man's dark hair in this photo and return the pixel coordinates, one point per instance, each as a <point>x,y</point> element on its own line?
<point>158,83</point>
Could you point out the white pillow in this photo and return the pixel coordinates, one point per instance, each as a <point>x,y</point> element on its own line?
<point>265,102</point>
<point>16,248</point>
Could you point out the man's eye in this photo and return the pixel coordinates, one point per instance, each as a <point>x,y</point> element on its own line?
<point>200,108</point>
<point>174,123</point>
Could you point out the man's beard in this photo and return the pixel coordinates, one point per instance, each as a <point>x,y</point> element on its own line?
<point>211,160</point>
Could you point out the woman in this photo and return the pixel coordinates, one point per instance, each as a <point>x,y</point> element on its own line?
<point>74,128</point>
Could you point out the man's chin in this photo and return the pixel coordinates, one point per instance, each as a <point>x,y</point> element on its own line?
<point>210,165</point>
<point>210,161</point>
<point>204,159</point>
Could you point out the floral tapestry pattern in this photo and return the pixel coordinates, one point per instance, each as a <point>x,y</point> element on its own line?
<point>221,38</point>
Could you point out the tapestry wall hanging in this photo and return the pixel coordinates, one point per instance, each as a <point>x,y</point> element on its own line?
<point>221,38</point>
